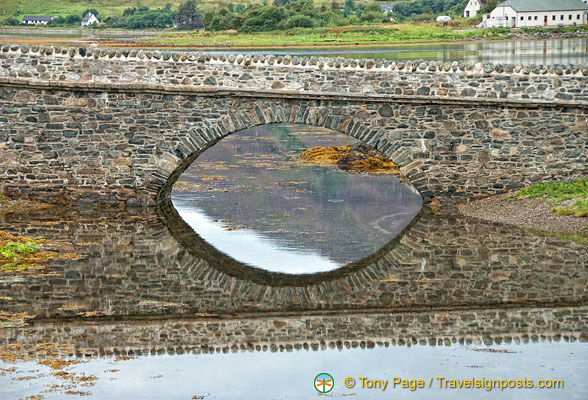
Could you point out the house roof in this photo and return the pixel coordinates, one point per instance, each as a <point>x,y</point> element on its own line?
<point>545,5</point>
<point>37,18</point>
<point>87,17</point>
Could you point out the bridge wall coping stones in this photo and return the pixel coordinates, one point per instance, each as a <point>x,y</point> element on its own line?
<point>418,66</point>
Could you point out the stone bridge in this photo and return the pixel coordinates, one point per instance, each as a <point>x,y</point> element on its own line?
<point>112,127</point>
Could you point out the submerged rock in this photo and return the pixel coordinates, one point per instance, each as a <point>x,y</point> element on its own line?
<point>358,158</point>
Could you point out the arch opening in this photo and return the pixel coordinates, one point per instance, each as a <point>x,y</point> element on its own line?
<point>252,197</point>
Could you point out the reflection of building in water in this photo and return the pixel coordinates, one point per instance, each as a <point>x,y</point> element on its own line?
<point>544,52</point>
<point>536,13</point>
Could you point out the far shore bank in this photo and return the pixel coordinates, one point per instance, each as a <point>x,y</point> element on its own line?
<point>219,41</point>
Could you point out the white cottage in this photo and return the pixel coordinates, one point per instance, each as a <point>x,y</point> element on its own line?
<point>89,19</point>
<point>537,13</point>
<point>473,7</point>
<point>36,19</point>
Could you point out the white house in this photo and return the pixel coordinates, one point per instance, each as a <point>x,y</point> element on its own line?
<point>537,13</point>
<point>473,7</point>
<point>36,19</point>
<point>89,19</point>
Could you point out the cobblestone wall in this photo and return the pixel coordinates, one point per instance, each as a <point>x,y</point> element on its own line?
<point>118,127</point>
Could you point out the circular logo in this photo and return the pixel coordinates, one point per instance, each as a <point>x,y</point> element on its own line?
<point>323,383</point>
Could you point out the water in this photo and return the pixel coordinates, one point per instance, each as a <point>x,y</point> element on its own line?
<point>311,218</point>
<point>540,52</point>
<point>544,52</point>
<point>441,295</point>
<point>147,284</point>
<point>290,374</point>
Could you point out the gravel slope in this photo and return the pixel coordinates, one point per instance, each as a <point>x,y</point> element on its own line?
<point>530,213</point>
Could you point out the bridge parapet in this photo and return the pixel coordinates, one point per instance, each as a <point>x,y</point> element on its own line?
<point>328,76</point>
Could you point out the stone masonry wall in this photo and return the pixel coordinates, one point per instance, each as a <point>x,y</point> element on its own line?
<point>117,127</point>
<point>299,74</point>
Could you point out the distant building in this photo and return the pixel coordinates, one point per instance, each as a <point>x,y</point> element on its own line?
<point>89,19</point>
<point>36,19</point>
<point>473,7</point>
<point>537,13</point>
<point>389,8</point>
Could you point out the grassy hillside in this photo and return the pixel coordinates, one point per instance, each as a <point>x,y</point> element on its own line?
<point>111,7</point>
<point>67,7</point>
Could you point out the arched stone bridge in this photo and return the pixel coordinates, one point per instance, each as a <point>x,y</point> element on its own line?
<point>119,126</point>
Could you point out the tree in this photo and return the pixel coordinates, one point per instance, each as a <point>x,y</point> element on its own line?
<point>73,20</point>
<point>188,16</point>
<point>349,8</point>
<point>489,6</point>
<point>92,10</point>
<point>11,21</point>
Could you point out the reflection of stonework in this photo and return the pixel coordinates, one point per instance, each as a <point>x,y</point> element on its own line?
<point>110,126</point>
<point>140,266</point>
<point>276,333</point>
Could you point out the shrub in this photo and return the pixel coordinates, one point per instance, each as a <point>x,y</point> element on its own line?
<point>10,21</point>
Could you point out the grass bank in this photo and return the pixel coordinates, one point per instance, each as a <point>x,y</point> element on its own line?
<point>327,36</point>
<point>558,209</point>
<point>567,198</point>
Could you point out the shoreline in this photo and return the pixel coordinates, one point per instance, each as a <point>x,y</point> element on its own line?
<point>529,213</point>
<point>153,40</point>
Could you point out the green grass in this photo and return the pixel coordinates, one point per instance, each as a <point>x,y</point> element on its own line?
<point>576,238</point>
<point>19,254</point>
<point>108,8</point>
<point>340,36</point>
<point>67,7</point>
<point>579,209</point>
<point>563,29</point>
<point>558,192</point>
<point>14,250</point>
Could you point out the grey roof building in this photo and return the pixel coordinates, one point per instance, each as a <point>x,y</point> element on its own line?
<point>36,19</point>
<point>537,13</point>
<point>545,5</point>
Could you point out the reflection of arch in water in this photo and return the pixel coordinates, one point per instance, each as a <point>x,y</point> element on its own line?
<point>487,326</point>
<point>198,247</point>
<point>439,263</point>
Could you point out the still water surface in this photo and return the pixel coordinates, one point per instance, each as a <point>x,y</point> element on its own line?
<point>289,375</point>
<point>540,52</point>
<point>288,215</point>
<point>544,52</point>
<point>462,292</point>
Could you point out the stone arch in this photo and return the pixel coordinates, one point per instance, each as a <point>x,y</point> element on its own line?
<point>337,116</point>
